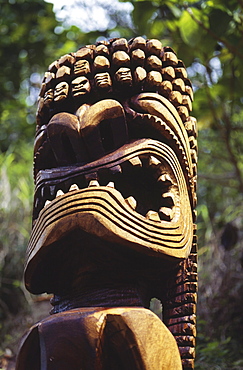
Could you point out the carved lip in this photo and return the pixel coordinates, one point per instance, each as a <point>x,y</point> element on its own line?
<point>103,213</point>
<point>141,171</point>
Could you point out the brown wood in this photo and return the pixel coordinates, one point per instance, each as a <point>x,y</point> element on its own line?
<point>140,75</point>
<point>154,46</point>
<point>138,57</point>
<point>170,58</point>
<point>102,339</point>
<point>138,43</point>
<point>168,73</point>
<point>101,63</point>
<point>120,44</point>
<point>154,63</point>
<point>115,166</point>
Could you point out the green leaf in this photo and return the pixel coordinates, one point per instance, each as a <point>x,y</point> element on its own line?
<point>157,28</point>
<point>142,13</point>
<point>189,29</point>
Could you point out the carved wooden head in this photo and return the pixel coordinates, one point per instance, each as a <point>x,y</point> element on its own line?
<point>115,153</point>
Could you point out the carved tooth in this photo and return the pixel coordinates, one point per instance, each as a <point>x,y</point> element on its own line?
<point>115,169</point>
<point>46,203</point>
<point>111,184</point>
<point>59,193</point>
<point>93,183</point>
<point>42,192</point>
<point>37,201</point>
<point>131,202</point>
<point>187,102</point>
<point>152,215</point>
<point>169,199</point>
<point>165,213</point>
<point>73,187</point>
<point>91,176</point>
<point>52,189</point>
<point>165,179</point>
<point>135,161</point>
<point>153,161</point>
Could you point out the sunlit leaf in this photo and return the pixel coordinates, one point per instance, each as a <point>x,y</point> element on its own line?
<point>142,13</point>
<point>190,30</point>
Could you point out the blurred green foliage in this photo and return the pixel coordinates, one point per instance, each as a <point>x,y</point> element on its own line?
<point>208,36</point>
<point>16,191</point>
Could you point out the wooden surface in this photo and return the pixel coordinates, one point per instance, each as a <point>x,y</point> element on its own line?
<point>102,339</point>
<point>115,167</point>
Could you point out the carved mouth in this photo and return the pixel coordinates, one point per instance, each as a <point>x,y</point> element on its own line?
<point>144,179</point>
<point>137,196</point>
<point>138,199</point>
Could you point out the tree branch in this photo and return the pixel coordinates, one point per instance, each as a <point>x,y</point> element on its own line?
<point>231,48</point>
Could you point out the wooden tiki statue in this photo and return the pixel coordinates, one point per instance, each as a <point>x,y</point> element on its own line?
<point>114,211</point>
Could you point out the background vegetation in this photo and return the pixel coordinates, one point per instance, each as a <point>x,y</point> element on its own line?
<point>208,36</point>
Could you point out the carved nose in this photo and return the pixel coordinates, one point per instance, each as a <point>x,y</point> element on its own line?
<point>94,132</point>
<point>103,128</point>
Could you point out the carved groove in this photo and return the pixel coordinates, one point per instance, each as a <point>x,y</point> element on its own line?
<point>115,164</point>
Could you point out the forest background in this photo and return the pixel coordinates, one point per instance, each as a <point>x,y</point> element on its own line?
<point>208,36</point>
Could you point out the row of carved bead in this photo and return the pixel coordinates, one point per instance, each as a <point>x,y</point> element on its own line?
<point>180,311</point>
<point>190,124</point>
<point>160,72</point>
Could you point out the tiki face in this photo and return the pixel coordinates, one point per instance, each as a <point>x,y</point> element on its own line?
<point>121,166</point>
